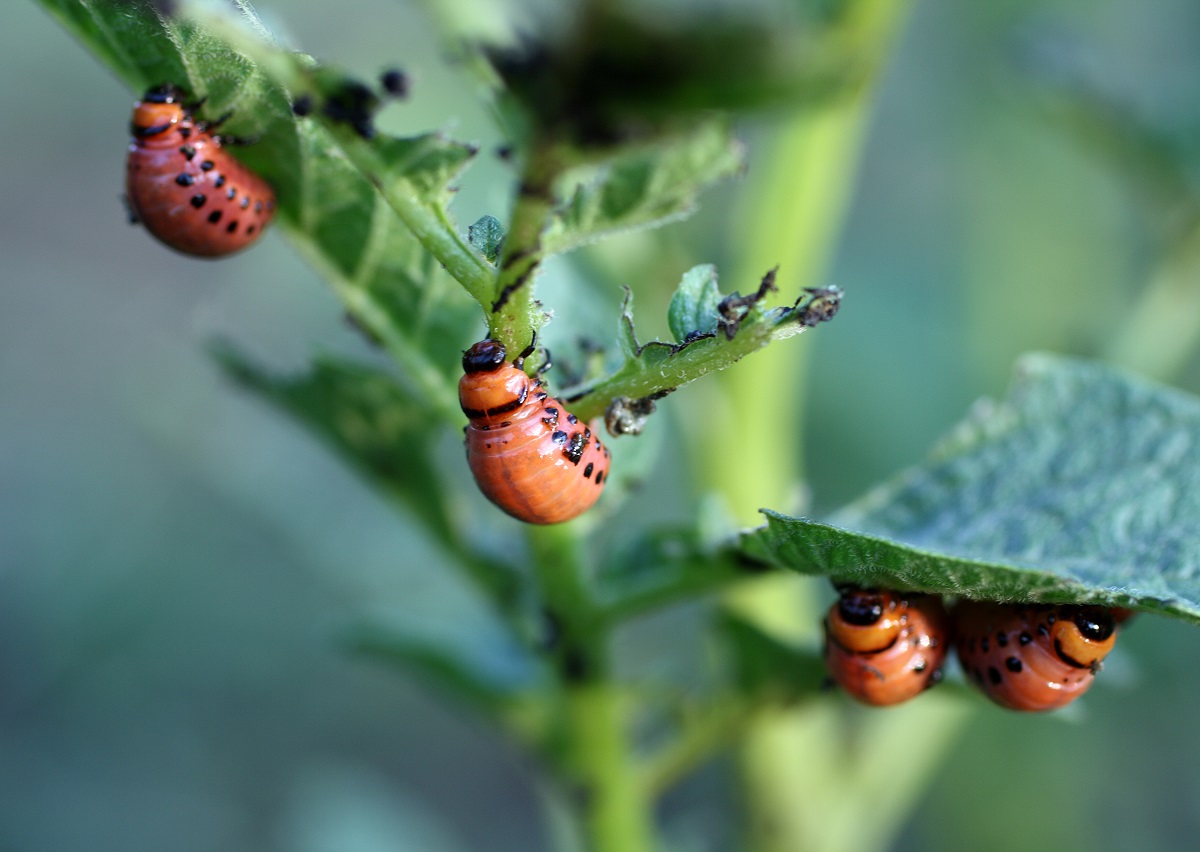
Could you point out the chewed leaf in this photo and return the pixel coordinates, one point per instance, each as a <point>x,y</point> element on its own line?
<point>1082,486</point>
<point>643,188</point>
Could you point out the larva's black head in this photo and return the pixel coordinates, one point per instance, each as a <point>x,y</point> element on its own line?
<point>164,93</point>
<point>1095,624</point>
<point>860,607</point>
<point>486,356</point>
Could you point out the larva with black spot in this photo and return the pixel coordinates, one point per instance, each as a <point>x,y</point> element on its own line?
<point>188,191</point>
<point>528,454</point>
<point>1032,657</point>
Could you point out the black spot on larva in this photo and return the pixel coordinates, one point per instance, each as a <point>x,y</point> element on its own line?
<point>1024,638</point>
<point>214,217</point>
<point>541,396</point>
<point>978,675</point>
<point>933,642</point>
<point>559,437</point>
<point>983,645</point>
<point>198,200</point>
<point>231,193</point>
<point>1002,639</point>
<point>184,179</point>
<point>245,201</point>
<point>188,151</point>
<point>935,678</point>
<point>994,675</point>
<point>208,165</point>
<point>185,132</point>
<point>599,476</point>
<point>257,206</point>
<point>919,667</point>
<point>250,230</point>
<point>1013,664</point>
<point>1051,618</point>
<point>587,471</point>
<point>572,419</point>
<point>1043,630</point>
<point>219,181</point>
<point>232,227</point>
<point>574,450</point>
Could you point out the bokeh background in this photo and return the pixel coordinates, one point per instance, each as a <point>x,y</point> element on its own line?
<point>176,558</point>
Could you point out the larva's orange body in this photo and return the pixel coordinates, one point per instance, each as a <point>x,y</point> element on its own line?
<point>1031,657</point>
<point>529,455</point>
<point>886,647</point>
<point>184,187</point>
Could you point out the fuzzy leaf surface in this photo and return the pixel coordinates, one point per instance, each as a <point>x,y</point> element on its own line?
<point>1082,486</point>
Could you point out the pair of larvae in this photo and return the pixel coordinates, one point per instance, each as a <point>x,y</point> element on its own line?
<point>885,647</point>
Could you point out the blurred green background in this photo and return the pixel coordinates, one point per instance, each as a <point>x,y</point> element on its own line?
<point>175,558</point>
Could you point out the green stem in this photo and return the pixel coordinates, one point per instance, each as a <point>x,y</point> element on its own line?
<point>616,815</point>
<point>661,369</point>
<point>515,316</point>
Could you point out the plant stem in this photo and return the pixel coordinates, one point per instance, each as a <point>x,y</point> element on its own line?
<point>643,378</point>
<point>616,815</point>
<point>515,316</point>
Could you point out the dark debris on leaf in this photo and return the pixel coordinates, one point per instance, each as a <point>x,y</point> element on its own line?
<point>734,308</point>
<point>395,83</point>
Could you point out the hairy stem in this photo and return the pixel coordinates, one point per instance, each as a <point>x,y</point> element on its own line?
<point>516,316</point>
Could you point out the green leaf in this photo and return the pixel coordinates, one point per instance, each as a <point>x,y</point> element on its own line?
<point>694,307</point>
<point>1082,486</point>
<point>365,413</point>
<point>369,215</point>
<point>641,188</point>
<point>377,424</point>
<point>487,237</point>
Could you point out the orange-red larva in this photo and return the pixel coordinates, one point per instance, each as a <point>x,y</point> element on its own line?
<point>886,647</point>
<point>529,455</point>
<point>1032,657</point>
<point>184,187</point>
